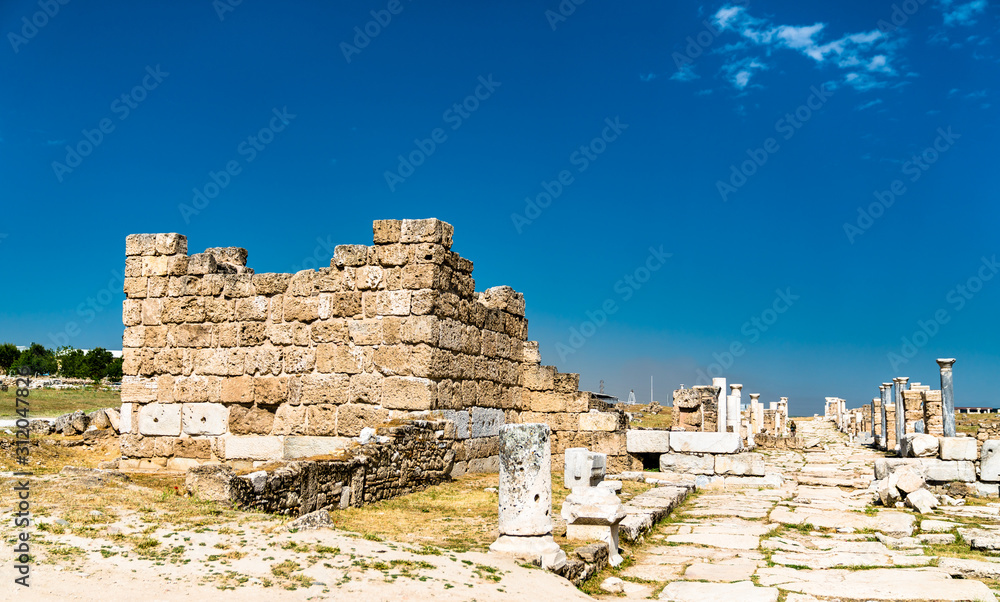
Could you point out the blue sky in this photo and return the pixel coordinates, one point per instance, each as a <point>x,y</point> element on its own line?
<point>809,186</point>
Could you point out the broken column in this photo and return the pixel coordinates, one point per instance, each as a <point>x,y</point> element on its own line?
<point>721,404</point>
<point>733,402</point>
<point>755,414</point>
<point>947,396</point>
<point>886,424</point>
<point>525,496</point>
<point>592,511</point>
<point>899,383</point>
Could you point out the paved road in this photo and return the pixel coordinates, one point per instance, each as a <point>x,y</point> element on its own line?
<point>815,538</point>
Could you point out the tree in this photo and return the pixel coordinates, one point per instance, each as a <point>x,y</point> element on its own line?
<point>72,363</point>
<point>97,361</point>
<point>8,355</point>
<point>38,360</point>
<point>115,369</point>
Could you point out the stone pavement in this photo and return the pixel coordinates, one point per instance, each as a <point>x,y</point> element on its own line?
<point>815,538</point>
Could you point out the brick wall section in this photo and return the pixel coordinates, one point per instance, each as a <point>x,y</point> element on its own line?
<point>933,419</point>
<point>696,409</point>
<point>890,426</point>
<point>223,364</point>
<point>913,403</point>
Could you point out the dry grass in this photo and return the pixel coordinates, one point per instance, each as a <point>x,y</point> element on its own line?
<point>47,403</point>
<point>663,418</point>
<point>969,423</point>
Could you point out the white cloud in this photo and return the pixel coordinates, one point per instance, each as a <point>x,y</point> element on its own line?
<point>647,77</point>
<point>868,104</point>
<point>961,14</point>
<point>684,74</point>
<point>738,73</point>
<point>865,56</point>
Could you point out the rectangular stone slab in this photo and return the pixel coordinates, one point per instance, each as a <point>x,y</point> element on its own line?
<point>647,442</point>
<point>705,443</point>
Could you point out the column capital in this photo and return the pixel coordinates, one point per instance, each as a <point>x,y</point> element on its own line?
<point>735,387</point>
<point>946,363</point>
<point>885,385</point>
<point>900,380</point>
<point>755,396</point>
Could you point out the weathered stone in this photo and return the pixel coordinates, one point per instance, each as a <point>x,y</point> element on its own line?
<point>583,468</point>
<point>204,418</point>
<point>160,419</point>
<point>713,443</point>
<point>922,501</point>
<point>696,591</point>
<point>253,448</point>
<point>210,482</point>
<point>690,463</point>
<point>745,464</point>
<point>486,422</point>
<point>989,465</point>
<point>907,480</point>
<point>525,475</point>
<point>647,441</point>
<point>304,447</point>
<point>959,448</point>
<point>916,445</point>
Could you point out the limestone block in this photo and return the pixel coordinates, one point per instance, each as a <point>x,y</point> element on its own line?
<point>959,448</point>
<point>204,418</point>
<point>907,480</point>
<point>710,443</point>
<point>540,550</point>
<point>250,421</point>
<point>160,419</point>
<point>647,442</point>
<point>594,513</point>
<point>745,464</point>
<point>270,284</point>
<point>922,501</point>
<point>887,493</point>
<point>349,256</point>
<point>305,447</point>
<point>408,393</point>
<point>918,445</point>
<point>462,420</point>
<point>393,303</point>
<point>990,463</point>
<point>487,422</point>
<point>689,463</point>
<point>386,231</point>
<point>538,378</point>
<point>941,471</point>
<point>525,490</point>
<point>140,244</point>
<point>324,388</point>
<point>583,468</point>
<point>201,263</point>
<point>253,447</point>
<point>125,418</point>
<point>352,418</point>
<point>210,482</point>
<point>599,421</point>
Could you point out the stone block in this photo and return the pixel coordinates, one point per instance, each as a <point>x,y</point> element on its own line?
<point>940,471</point>
<point>989,466</point>
<point>525,490</point>
<point>688,463</point>
<point>918,445</point>
<point>583,468</point>
<point>708,443</point>
<point>462,421</point>
<point>907,480</point>
<point>305,447</point>
<point>201,263</point>
<point>745,464</point>
<point>125,419</point>
<point>140,244</point>
<point>210,482</point>
<point>253,447</point>
<point>160,419</point>
<point>204,418</point>
<point>386,231</point>
<point>408,393</point>
<point>599,421</point>
<point>922,501</point>
<point>647,442</point>
<point>486,422</point>
<point>959,448</point>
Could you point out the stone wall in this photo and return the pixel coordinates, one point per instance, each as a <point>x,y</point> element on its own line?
<point>932,407</point>
<point>890,426</point>
<point>913,404</point>
<point>224,364</point>
<point>405,458</point>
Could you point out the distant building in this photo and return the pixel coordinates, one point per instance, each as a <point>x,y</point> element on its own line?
<point>976,410</point>
<point>605,397</point>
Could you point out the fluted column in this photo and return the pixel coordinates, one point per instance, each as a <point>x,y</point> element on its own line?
<point>947,396</point>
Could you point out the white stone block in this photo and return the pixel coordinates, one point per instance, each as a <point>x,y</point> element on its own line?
<point>647,442</point>
<point>917,445</point>
<point>486,422</point>
<point>583,468</point>
<point>941,471</point>
<point>126,418</point>
<point>160,419</point>
<point>922,501</point>
<point>708,443</point>
<point>205,418</point>
<point>989,467</point>
<point>252,447</point>
<point>305,447</point>
<point>741,465</point>
<point>959,448</point>
<point>688,463</point>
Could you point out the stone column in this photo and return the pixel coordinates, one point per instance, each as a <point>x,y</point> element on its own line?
<point>734,400</point>
<point>721,404</point>
<point>525,496</point>
<point>755,413</point>
<point>899,383</point>
<point>884,389</point>
<point>947,396</point>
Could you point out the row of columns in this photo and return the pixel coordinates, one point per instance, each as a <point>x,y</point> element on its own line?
<point>888,433</point>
